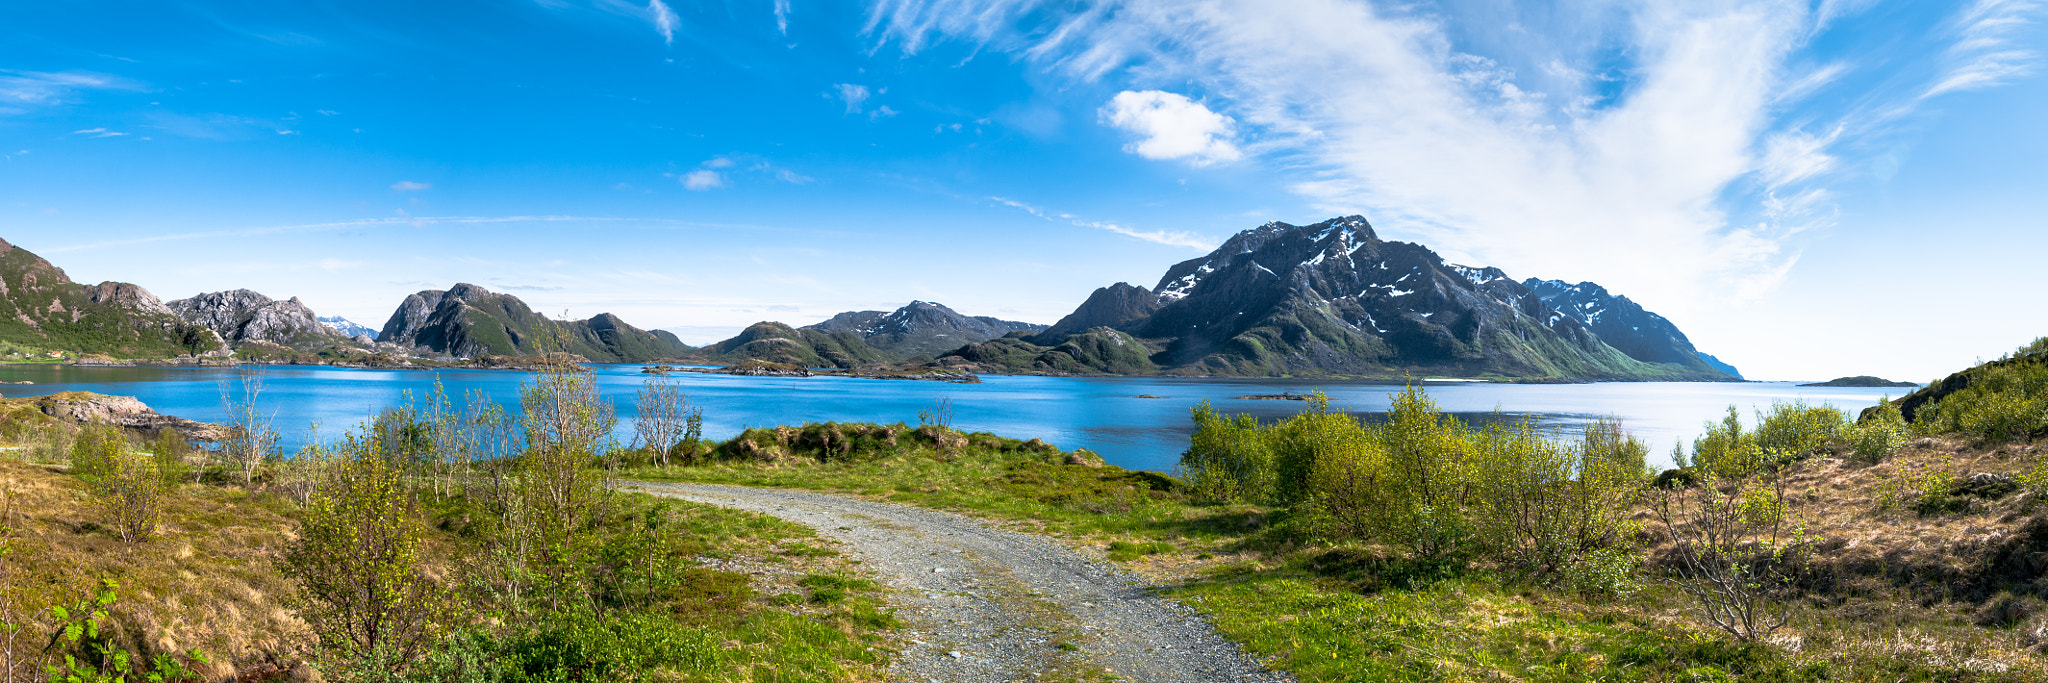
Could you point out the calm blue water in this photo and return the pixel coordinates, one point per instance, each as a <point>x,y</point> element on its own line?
<point>1102,414</point>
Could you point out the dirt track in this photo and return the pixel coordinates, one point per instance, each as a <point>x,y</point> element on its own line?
<point>982,604</point>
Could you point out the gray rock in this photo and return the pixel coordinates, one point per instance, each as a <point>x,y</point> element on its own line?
<point>244,316</point>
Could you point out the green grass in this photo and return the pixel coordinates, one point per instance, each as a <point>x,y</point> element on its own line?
<point>1350,613</point>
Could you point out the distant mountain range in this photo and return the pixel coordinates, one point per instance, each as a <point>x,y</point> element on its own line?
<point>346,327</point>
<point>1330,299</point>
<point>921,328</point>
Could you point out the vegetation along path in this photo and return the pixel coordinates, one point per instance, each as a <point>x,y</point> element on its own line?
<point>987,604</point>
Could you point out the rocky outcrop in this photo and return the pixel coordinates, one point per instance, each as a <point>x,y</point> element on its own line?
<point>467,321</point>
<point>241,316</point>
<point>921,328</point>
<point>128,412</point>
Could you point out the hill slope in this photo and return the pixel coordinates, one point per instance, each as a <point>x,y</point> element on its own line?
<point>468,321</point>
<point>778,343</point>
<point>1334,299</point>
<point>921,328</point>
<point>41,307</point>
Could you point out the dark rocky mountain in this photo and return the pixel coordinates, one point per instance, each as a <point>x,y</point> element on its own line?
<point>1717,364</point>
<point>241,316</point>
<point>41,308</point>
<point>1623,324</point>
<point>346,327</point>
<point>1332,299</point>
<point>921,328</point>
<point>1116,306</point>
<point>1094,351</point>
<point>774,342</point>
<point>467,321</point>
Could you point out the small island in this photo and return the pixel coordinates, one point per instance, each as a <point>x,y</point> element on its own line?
<point>1860,381</point>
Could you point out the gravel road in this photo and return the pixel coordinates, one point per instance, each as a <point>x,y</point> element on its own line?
<point>982,604</point>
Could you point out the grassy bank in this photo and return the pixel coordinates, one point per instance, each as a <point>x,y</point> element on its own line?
<point>1332,607</point>
<point>357,562</point>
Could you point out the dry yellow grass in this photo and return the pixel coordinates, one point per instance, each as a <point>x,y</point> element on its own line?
<point>204,581</point>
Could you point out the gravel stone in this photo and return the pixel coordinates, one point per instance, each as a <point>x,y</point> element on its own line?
<point>985,605</point>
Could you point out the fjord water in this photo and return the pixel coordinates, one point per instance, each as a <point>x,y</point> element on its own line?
<point>1101,414</point>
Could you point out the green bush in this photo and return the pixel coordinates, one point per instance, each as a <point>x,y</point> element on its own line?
<point>1879,434</point>
<point>1227,458</point>
<point>1431,485</point>
<point>613,646</point>
<point>130,485</point>
<point>1798,428</point>
<point>2003,401</point>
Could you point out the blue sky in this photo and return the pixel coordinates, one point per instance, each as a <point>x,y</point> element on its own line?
<point>1808,189</point>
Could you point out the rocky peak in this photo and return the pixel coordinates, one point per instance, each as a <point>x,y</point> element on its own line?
<point>242,315</point>
<point>131,297</point>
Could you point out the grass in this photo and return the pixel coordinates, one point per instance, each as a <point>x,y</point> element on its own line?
<point>209,580</point>
<point>1347,612</point>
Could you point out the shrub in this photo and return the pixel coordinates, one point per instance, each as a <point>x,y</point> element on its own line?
<point>1879,434</point>
<point>1227,459</point>
<point>357,560</point>
<point>2002,402</point>
<point>1549,510</point>
<point>1798,428</point>
<point>1736,550</point>
<point>1922,489</point>
<point>130,485</point>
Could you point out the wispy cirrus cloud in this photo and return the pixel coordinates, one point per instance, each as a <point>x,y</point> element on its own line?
<point>1653,147</point>
<point>20,90</point>
<point>1171,238</point>
<point>664,20</point>
<point>1984,54</point>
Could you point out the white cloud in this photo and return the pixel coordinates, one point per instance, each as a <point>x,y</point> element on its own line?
<point>664,20</point>
<point>1983,55</point>
<point>703,179</point>
<point>853,95</point>
<point>48,89</point>
<point>882,112</point>
<point>718,162</point>
<point>410,186</point>
<point>97,132</point>
<point>1171,126</point>
<point>782,16</point>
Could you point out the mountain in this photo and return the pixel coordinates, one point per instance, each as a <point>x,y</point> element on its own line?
<point>1623,324</point>
<point>921,328</point>
<point>778,343</point>
<point>1094,351</point>
<point>1866,381</point>
<point>41,308</point>
<point>241,316</point>
<point>467,321</point>
<point>1333,299</point>
<point>346,327</point>
<point>1716,363</point>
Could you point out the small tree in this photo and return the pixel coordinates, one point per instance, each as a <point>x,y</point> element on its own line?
<point>250,439</point>
<point>130,485</point>
<point>357,559</point>
<point>1735,548</point>
<point>661,419</point>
